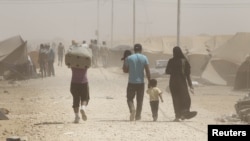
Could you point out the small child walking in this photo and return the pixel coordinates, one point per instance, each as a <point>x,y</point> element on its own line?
<point>154,94</point>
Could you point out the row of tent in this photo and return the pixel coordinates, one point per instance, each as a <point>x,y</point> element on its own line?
<point>223,66</point>
<point>215,59</point>
<point>219,60</point>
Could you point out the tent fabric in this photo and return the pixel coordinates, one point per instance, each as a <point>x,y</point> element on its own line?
<point>197,54</point>
<point>198,50</point>
<point>18,56</point>
<point>198,63</point>
<point>220,72</point>
<point>242,79</point>
<point>165,44</point>
<point>9,45</point>
<point>168,44</point>
<point>161,48</point>
<point>235,50</point>
<point>198,45</point>
<point>226,60</point>
<point>121,47</point>
<point>226,69</point>
<point>13,52</point>
<point>171,41</point>
<point>217,41</point>
<point>153,45</point>
<point>210,75</point>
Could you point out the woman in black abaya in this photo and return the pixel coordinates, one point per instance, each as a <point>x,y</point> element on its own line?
<point>179,69</point>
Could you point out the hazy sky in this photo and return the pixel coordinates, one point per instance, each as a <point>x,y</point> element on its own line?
<point>77,19</point>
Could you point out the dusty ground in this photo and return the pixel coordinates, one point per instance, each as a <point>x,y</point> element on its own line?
<point>40,110</point>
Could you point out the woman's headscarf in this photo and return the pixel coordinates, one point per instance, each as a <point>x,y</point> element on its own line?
<point>177,53</point>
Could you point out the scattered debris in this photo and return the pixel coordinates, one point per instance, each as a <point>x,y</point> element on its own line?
<point>109,97</point>
<point>44,123</point>
<point>228,118</point>
<point>17,138</point>
<point>13,138</point>
<point>4,110</point>
<point>68,133</point>
<point>242,108</point>
<point>3,116</point>
<point>14,83</point>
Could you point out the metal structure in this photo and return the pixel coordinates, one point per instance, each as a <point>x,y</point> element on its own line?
<point>178,21</point>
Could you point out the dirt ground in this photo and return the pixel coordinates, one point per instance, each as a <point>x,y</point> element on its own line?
<point>41,110</point>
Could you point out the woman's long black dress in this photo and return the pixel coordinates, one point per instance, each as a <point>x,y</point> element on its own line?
<point>179,70</point>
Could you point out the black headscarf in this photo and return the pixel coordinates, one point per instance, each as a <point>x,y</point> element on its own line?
<point>177,53</point>
<point>175,67</point>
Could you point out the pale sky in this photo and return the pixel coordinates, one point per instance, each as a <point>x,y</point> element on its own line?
<point>77,19</point>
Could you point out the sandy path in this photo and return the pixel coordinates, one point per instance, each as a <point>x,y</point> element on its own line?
<point>40,109</point>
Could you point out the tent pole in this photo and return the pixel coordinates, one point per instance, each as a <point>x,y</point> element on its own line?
<point>134,28</point>
<point>112,23</point>
<point>97,28</point>
<point>178,21</point>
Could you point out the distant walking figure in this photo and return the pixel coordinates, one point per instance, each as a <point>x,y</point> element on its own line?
<point>60,51</point>
<point>95,50</point>
<point>135,65</point>
<point>104,53</point>
<point>51,59</point>
<point>42,59</point>
<point>179,69</point>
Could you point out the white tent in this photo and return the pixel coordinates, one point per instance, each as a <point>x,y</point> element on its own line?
<point>197,55</point>
<point>227,58</point>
